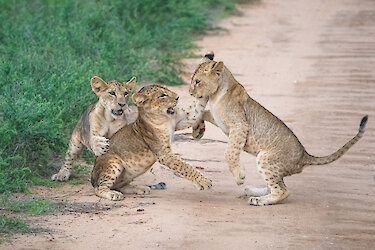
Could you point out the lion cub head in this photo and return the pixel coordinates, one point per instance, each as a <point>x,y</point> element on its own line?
<point>113,95</point>
<point>157,100</point>
<point>207,77</point>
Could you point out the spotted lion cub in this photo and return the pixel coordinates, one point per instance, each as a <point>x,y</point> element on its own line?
<point>99,121</point>
<point>137,146</point>
<point>254,129</point>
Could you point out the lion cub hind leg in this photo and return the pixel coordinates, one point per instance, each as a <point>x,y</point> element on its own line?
<point>107,170</point>
<point>272,174</point>
<point>278,193</point>
<point>135,189</point>
<point>75,147</point>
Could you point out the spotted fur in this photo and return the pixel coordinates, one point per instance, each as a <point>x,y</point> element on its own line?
<point>99,121</point>
<point>254,129</point>
<point>137,146</point>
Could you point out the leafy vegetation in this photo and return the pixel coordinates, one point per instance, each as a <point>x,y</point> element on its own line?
<point>49,50</point>
<point>32,206</point>
<point>11,225</point>
<point>78,169</point>
<point>76,182</point>
<point>26,205</point>
<point>43,181</point>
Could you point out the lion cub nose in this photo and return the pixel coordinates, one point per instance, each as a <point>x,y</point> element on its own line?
<point>122,104</point>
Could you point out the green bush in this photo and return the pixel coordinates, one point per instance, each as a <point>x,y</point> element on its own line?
<point>49,50</point>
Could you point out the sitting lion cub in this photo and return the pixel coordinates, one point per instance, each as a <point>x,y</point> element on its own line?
<point>99,121</point>
<point>254,129</point>
<point>137,146</point>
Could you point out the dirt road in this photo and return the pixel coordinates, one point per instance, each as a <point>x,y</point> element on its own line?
<point>312,64</point>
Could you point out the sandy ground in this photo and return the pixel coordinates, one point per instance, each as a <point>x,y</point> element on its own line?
<point>312,64</point>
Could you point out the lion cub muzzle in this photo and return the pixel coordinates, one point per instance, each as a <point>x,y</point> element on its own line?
<point>118,112</point>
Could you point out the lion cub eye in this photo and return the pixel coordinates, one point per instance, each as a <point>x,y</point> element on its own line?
<point>112,93</point>
<point>126,93</point>
<point>163,95</point>
<point>197,82</point>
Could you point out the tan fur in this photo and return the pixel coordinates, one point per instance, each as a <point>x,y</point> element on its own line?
<point>254,129</point>
<point>137,146</point>
<point>99,121</point>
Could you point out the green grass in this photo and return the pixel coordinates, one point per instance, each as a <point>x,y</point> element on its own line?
<point>42,181</point>
<point>28,205</point>
<point>76,182</point>
<point>78,169</point>
<point>34,207</point>
<point>11,225</point>
<point>49,50</point>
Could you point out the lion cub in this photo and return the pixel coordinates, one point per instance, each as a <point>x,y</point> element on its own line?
<point>137,146</point>
<point>254,129</point>
<point>99,121</point>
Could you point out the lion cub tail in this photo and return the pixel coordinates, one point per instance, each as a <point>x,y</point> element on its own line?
<point>313,160</point>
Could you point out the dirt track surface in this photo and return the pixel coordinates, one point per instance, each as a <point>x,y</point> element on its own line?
<point>312,64</point>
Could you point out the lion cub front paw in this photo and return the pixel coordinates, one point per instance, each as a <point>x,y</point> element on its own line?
<point>203,183</point>
<point>198,130</point>
<point>100,145</point>
<point>62,175</point>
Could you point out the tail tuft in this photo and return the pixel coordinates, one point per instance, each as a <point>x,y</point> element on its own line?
<point>210,55</point>
<point>362,125</point>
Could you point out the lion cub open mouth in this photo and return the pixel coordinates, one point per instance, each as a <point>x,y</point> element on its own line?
<point>117,112</point>
<point>170,111</point>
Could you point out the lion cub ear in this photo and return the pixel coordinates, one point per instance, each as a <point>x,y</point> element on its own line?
<point>98,84</point>
<point>132,82</point>
<point>217,68</point>
<point>139,99</point>
<point>209,56</point>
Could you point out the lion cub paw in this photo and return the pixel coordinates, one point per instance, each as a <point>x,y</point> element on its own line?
<point>198,130</point>
<point>100,145</point>
<point>142,190</point>
<point>257,201</point>
<point>139,189</point>
<point>268,199</point>
<point>239,175</point>
<point>62,175</point>
<point>203,183</point>
<point>113,195</point>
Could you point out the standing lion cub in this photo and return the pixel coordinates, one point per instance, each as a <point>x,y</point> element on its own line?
<point>254,129</point>
<point>99,121</point>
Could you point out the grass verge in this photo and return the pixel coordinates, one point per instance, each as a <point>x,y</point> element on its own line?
<point>28,205</point>
<point>49,50</point>
<point>12,225</point>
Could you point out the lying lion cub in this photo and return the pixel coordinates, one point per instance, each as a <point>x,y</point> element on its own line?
<point>137,146</point>
<point>254,129</point>
<point>99,121</point>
